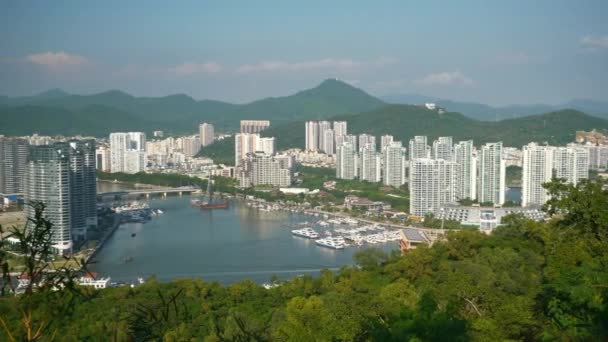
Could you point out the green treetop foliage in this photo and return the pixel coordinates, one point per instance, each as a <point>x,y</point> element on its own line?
<point>526,281</point>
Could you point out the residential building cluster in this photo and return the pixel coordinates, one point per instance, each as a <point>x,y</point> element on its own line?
<point>60,173</point>
<point>445,172</point>
<point>256,160</point>
<point>542,163</point>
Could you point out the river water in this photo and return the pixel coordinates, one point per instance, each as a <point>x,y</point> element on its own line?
<point>219,245</point>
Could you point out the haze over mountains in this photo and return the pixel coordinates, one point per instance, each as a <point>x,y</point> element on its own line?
<point>486,112</point>
<point>57,112</point>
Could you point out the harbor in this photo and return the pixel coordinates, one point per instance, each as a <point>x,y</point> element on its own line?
<point>224,245</point>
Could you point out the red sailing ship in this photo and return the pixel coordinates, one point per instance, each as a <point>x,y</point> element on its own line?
<point>207,203</point>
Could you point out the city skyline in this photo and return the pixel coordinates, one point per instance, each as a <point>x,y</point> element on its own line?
<point>556,50</point>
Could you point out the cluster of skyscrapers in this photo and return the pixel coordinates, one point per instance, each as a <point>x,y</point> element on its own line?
<point>62,175</point>
<point>256,161</point>
<point>542,163</point>
<point>131,152</point>
<point>445,173</point>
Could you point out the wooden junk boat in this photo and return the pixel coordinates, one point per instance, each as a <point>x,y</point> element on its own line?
<point>207,202</point>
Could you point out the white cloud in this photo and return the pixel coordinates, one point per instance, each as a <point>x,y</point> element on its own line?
<point>326,63</point>
<point>196,68</point>
<point>595,42</point>
<point>56,60</point>
<point>445,79</point>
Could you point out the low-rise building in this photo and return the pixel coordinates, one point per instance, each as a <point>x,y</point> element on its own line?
<point>486,218</point>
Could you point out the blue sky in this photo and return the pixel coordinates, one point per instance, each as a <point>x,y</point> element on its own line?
<point>496,52</point>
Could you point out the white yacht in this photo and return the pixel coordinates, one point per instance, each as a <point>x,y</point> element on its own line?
<point>335,242</point>
<point>308,233</point>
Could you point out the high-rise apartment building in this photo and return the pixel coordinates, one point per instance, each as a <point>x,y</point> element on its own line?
<point>443,148</point>
<point>13,156</point>
<point>432,185</point>
<point>329,142</point>
<point>340,128</point>
<point>323,127</point>
<point>394,164</point>
<point>346,161</point>
<point>571,163</point>
<point>83,187</point>
<point>266,145</point>
<point>262,169</point>
<point>245,143</point>
<point>365,139</point>
<point>537,170</point>
<point>191,146</point>
<point>598,156</point>
<point>103,157</point>
<point>312,136</point>
<point>206,133</point>
<point>125,149</point>
<point>491,174</point>
<point>419,147</point>
<point>254,126</point>
<point>47,180</point>
<point>466,170</point>
<point>369,163</point>
<point>63,177</point>
<point>542,163</point>
<point>385,140</point>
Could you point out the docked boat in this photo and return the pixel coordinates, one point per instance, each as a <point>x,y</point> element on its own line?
<point>308,233</point>
<point>208,203</point>
<point>334,242</point>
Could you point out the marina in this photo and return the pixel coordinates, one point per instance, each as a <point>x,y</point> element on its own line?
<point>226,245</point>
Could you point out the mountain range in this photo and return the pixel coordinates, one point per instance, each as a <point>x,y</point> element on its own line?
<point>57,112</point>
<point>486,112</point>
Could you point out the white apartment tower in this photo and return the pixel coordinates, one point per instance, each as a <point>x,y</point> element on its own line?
<point>432,185</point>
<point>466,170</point>
<point>191,146</point>
<point>365,139</point>
<point>329,142</point>
<point>346,161</point>
<point>443,149</point>
<point>103,156</point>
<point>206,133</point>
<point>254,126</point>
<point>491,174</point>
<point>419,147</point>
<point>394,164</point>
<point>13,157</point>
<point>340,128</point>
<point>263,169</point>
<point>370,163</point>
<point>126,148</point>
<point>245,143</point>
<point>323,127</point>
<point>385,140</point>
<point>537,170</point>
<point>571,163</point>
<point>312,136</point>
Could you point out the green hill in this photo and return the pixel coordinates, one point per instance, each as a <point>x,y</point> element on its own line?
<point>181,113</point>
<point>95,120</point>
<point>406,121</point>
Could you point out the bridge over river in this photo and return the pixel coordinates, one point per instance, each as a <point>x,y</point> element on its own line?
<point>146,193</point>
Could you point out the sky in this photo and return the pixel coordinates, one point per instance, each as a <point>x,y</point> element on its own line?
<point>494,52</point>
